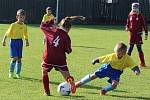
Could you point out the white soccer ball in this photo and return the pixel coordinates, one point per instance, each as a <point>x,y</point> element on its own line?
<point>64,89</point>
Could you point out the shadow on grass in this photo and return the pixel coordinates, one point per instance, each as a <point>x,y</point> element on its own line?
<point>75,97</point>
<point>99,27</point>
<point>98,88</point>
<point>31,79</point>
<point>131,97</point>
<point>91,87</point>
<point>37,80</point>
<point>120,91</point>
<point>87,47</point>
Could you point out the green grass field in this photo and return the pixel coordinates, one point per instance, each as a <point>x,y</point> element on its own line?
<point>88,42</point>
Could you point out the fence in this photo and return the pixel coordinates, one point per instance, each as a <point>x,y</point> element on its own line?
<point>96,11</point>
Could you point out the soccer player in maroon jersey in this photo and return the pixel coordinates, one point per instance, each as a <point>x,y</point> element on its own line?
<point>135,24</point>
<point>58,43</point>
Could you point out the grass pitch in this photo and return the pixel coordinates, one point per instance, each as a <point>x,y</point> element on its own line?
<point>88,42</point>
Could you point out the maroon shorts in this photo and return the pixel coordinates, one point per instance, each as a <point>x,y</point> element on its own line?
<point>135,39</point>
<point>48,67</point>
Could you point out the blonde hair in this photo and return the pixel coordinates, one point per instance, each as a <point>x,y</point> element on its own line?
<point>120,47</point>
<point>21,12</point>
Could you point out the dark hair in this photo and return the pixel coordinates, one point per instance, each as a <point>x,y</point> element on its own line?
<point>21,12</point>
<point>48,8</point>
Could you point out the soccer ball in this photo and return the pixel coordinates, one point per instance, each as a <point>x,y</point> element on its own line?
<point>64,89</point>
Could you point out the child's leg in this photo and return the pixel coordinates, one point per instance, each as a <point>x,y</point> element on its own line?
<point>12,66</point>
<point>101,73</point>
<point>19,54</point>
<point>65,72</point>
<point>86,79</point>
<point>44,39</point>
<point>45,81</point>
<point>141,55</point>
<point>18,67</point>
<point>129,51</point>
<point>45,78</point>
<point>110,87</point>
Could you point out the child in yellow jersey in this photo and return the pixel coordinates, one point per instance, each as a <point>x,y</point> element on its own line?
<point>113,66</point>
<point>16,32</point>
<point>48,17</point>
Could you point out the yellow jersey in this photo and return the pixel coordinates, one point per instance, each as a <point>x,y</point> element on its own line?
<point>17,31</point>
<point>119,64</point>
<point>47,18</point>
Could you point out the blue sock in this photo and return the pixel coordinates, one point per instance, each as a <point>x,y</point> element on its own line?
<point>108,88</point>
<point>12,66</point>
<point>18,67</point>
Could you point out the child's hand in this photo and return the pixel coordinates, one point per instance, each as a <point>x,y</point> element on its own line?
<point>146,36</point>
<point>82,18</point>
<point>27,42</point>
<point>94,61</point>
<point>127,29</point>
<point>4,43</point>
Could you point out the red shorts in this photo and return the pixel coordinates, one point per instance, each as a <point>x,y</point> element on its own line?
<point>135,39</point>
<point>48,67</point>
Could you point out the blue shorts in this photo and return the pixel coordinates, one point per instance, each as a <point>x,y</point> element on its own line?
<point>107,71</point>
<point>16,46</point>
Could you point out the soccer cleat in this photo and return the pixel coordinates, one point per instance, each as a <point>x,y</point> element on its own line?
<point>142,65</point>
<point>73,87</point>
<point>18,76</point>
<point>103,92</point>
<point>47,94</point>
<point>70,80</point>
<point>11,75</point>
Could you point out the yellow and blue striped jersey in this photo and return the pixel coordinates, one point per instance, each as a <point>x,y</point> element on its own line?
<point>47,18</point>
<point>119,64</point>
<point>17,31</point>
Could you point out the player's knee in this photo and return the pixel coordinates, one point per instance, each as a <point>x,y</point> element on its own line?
<point>44,72</point>
<point>15,59</point>
<point>19,60</point>
<point>92,76</point>
<point>140,50</point>
<point>114,84</point>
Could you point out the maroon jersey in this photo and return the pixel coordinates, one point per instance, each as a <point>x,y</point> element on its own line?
<point>135,23</point>
<point>58,43</point>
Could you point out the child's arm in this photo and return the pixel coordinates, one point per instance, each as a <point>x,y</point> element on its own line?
<point>127,24</point>
<point>4,40</point>
<point>136,70</point>
<point>94,61</point>
<point>27,42</point>
<point>75,17</point>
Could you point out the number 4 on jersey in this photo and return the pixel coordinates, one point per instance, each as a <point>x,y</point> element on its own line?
<point>56,41</point>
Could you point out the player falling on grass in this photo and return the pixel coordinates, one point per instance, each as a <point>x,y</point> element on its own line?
<point>16,32</point>
<point>57,44</point>
<point>47,18</point>
<point>112,67</point>
<point>135,24</point>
